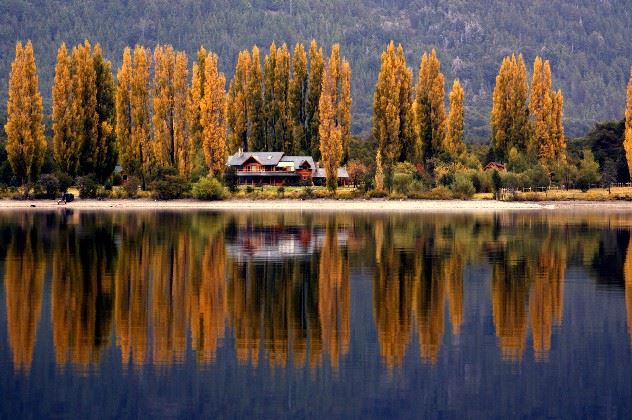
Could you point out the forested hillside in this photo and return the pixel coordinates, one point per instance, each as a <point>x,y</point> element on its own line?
<point>586,41</point>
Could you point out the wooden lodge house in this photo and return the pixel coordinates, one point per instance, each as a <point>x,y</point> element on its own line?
<point>277,168</point>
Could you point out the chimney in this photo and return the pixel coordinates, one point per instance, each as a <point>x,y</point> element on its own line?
<point>240,152</point>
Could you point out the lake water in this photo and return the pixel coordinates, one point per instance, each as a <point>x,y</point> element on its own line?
<point>275,315</point>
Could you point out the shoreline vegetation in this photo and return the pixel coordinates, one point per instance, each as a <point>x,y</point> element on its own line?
<point>154,128</point>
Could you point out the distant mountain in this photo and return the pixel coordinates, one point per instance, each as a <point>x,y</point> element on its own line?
<point>587,41</point>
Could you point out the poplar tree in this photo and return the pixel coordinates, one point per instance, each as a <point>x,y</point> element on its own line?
<point>455,132</point>
<point>510,113</point>
<point>104,153</point>
<point>26,143</point>
<point>627,140</point>
<point>540,107</point>
<point>270,110</point>
<point>163,106</point>
<point>141,118</point>
<point>181,133</point>
<point>344,107</point>
<point>196,93</point>
<point>407,139</point>
<point>430,108</point>
<point>213,117</point>
<point>329,131</point>
<point>298,99</point>
<point>316,69</point>
<point>392,108</point>
<point>283,124</point>
<point>238,107</point>
<point>256,136</point>
<point>85,118</point>
<point>65,147</point>
<point>128,154</point>
<point>558,138</point>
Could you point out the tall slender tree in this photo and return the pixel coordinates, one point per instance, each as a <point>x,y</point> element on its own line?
<point>557,125</point>
<point>344,107</point>
<point>86,119</point>
<point>316,69</point>
<point>181,132</point>
<point>26,143</point>
<point>65,146</point>
<point>270,109</point>
<point>329,132</point>
<point>128,154</point>
<point>430,106</point>
<point>105,153</point>
<point>237,108</point>
<point>163,106</point>
<point>283,127</point>
<point>540,107</point>
<point>257,137</point>
<point>298,98</point>
<point>510,112</point>
<point>141,116</point>
<point>196,93</point>
<point>213,117</point>
<point>627,139</point>
<point>455,132</point>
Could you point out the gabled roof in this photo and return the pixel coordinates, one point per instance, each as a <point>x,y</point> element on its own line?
<point>264,158</point>
<point>342,173</point>
<point>299,160</point>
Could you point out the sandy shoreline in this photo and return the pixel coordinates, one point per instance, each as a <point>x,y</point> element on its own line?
<point>366,206</point>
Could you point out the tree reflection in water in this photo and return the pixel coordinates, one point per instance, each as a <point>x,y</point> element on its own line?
<point>279,285</point>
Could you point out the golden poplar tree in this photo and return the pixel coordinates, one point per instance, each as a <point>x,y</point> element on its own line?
<point>270,108</point>
<point>541,106</point>
<point>316,70</point>
<point>141,117</point>
<point>104,153</point>
<point>430,108</point>
<point>163,106</point>
<point>26,143</point>
<point>65,147</point>
<point>510,113</point>
<point>237,109</point>
<point>386,103</point>
<point>329,132</point>
<point>627,141</point>
<point>454,136</point>
<point>558,138</point>
<point>194,102</point>
<point>344,107</point>
<point>181,134</point>
<point>283,124</point>
<point>298,99</point>
<point>128,155</point>
<point>408,144</point>
<point>85,117</point>
<point>213,117</point>
<point>256,137</point>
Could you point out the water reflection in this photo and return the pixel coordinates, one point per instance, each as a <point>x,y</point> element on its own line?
<point>277,287</point>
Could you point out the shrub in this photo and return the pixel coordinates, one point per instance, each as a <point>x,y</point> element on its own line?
<point>103,193</point>
<point>281,190</point>
<point>87,187</point>
<point>131,186</point>
<point>65,181</point>
<point>49,185</point>
<point>307,193</point>
<point>377,194</point>
<point>462,185</point>
<point>207,188</point>
<point>402,182</point>
<point>249,189</point>
<point>171,187</point>
<point>447,179</point>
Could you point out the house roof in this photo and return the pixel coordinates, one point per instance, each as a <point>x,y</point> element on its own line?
<point>495,165</point>
<point>342,173</point>
<point>298,161</point>
<point>264,158</point>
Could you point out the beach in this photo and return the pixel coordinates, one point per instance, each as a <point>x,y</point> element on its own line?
<point>329,205</point>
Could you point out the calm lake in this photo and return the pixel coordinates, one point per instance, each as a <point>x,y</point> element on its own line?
<point>269,315</point>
